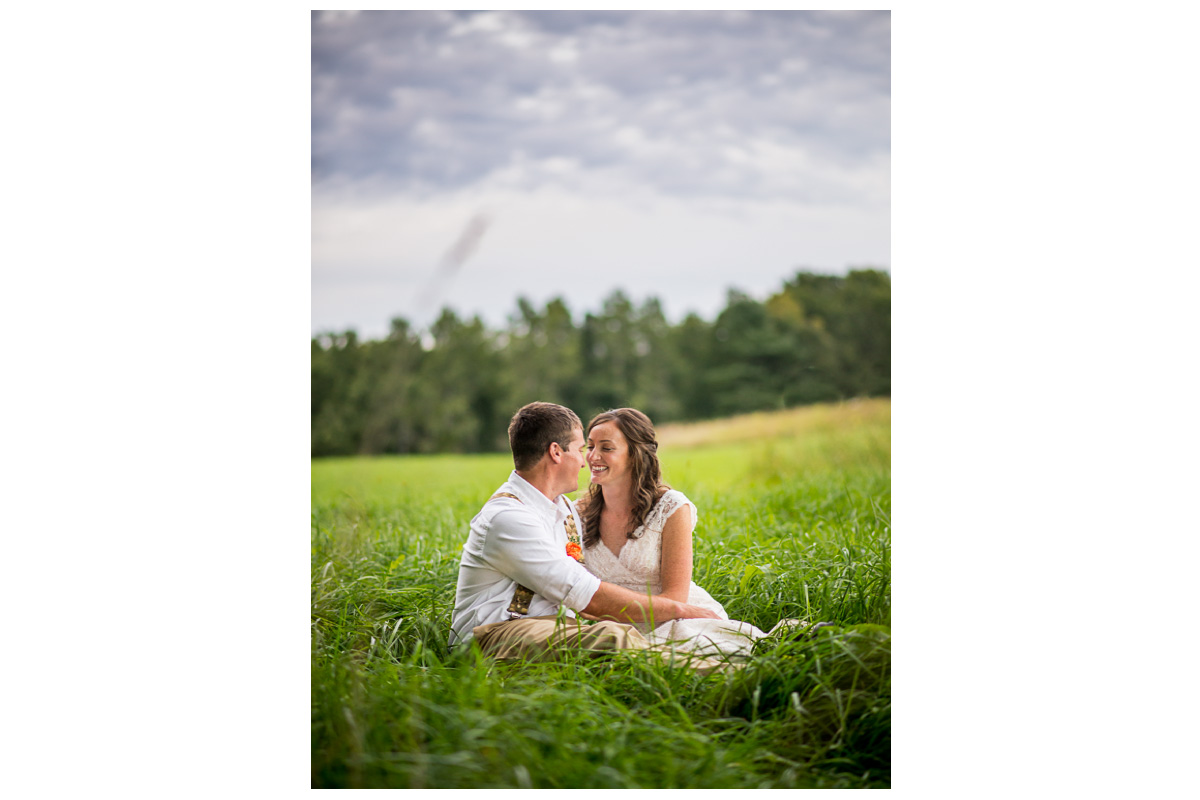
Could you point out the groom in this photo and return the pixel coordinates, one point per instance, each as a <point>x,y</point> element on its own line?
<point>521,563</point>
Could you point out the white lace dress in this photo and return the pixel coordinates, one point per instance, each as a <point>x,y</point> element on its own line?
<point>638,567</point>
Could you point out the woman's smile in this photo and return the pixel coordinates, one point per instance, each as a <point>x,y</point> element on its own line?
<point>608,453</point>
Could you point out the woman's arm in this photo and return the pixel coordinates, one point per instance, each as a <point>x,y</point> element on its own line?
<point>615,602</point>
<point>677,554</point>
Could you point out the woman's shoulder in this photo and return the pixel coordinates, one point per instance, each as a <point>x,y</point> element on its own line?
<point>668,503</point>
<point>673,497</point>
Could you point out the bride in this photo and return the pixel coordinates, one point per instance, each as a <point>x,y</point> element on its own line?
<point>638,534</point>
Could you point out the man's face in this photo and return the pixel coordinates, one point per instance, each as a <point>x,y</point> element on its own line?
<point>574,460</point>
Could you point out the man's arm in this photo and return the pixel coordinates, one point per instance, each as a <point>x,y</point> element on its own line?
<point>517,547</point>
<point>623,605</point>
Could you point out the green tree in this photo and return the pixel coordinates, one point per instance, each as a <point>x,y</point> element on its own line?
<point>763,360</point>
<point>691,345</point>
<point>462,382</point>
<point>821,337</point>
<point>542,350</point>
<point>337,402</point>
<point>393,372</point>
<point>855,311</point>
<point>608,357</point>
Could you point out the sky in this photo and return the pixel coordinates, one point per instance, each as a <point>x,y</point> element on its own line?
<point>464,159</point>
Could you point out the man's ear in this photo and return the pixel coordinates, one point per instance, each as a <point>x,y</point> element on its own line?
<point>556,452</point>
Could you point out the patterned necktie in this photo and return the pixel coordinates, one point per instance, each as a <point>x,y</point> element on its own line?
<point>522,596</point>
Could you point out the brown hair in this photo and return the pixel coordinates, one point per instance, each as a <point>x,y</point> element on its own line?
<point>535,426</point>
<point>648,484</point>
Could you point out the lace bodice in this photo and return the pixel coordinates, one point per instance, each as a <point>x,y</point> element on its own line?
<point>638,566</point>
<point>639,563</point>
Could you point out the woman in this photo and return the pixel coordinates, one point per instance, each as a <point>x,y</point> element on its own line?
<point>638,533</point>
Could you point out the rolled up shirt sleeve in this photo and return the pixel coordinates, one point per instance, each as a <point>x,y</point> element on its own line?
<point>518,547</point>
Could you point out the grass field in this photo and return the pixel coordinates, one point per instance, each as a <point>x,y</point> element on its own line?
<point>794,522</point>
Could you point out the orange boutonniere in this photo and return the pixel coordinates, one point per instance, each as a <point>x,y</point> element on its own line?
<point>575,551</point>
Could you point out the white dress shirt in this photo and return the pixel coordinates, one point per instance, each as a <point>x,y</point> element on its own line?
<point>515,542</point>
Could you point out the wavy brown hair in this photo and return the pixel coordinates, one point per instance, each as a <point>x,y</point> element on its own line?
<point>648,484</point>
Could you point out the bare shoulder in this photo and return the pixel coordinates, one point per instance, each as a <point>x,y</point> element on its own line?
<point>670,504</point>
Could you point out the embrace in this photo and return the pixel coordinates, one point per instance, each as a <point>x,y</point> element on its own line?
<point>540,573</point>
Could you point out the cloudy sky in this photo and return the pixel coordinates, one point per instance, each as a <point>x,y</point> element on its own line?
<point>468,158</point>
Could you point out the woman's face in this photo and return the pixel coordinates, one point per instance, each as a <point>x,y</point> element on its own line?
<point>608,455</point>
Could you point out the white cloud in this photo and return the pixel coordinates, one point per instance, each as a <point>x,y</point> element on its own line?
<point>565,52</point>
<point>668,154</point>
<point>486,22</point>
<point>630,136</point>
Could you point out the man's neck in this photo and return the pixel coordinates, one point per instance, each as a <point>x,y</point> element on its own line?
<point>539,480</point>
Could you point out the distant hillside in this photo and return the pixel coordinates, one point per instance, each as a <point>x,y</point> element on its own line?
<point>790,423</point>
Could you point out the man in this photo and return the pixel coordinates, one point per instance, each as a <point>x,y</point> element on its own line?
<point>519,565</point>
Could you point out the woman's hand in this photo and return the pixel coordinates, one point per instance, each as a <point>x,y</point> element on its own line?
<point>687,611</point>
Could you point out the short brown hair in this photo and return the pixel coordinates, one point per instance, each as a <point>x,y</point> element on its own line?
<point>535,426</point>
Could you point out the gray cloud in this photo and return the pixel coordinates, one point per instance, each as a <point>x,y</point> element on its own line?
<point>766,104</point>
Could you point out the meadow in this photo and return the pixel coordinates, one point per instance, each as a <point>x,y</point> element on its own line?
<point>794,511</point>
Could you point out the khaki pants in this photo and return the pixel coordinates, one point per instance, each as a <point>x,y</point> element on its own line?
<point>540,638</point>
<point>544,638</point>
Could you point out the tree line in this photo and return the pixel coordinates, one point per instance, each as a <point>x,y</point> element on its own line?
<point>819,338</point>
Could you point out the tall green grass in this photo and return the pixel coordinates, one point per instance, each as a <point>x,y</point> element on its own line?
<point>794,523</point>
